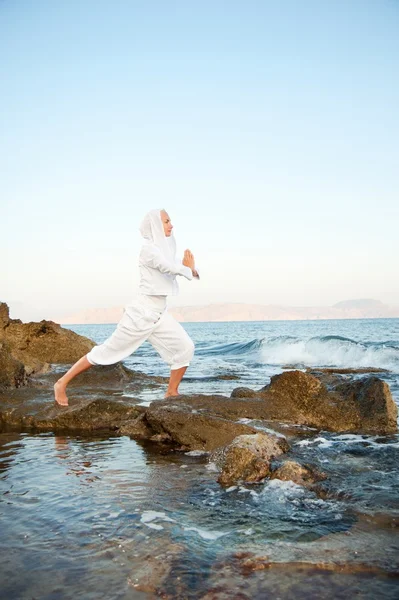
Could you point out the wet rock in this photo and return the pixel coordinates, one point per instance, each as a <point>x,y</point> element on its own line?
<point>337,371</point>
<point>194,431</point>
<point>138,428</point>
<point>222,406</point>
<point>153,569</point>
<point>372,402</point>
<point>98,415</point>
<point>305,476</point>
<point>12,371</point>
<point>363,406</point>
<point>28,411</point>
<point>248,457</point>
<point>110,375</point>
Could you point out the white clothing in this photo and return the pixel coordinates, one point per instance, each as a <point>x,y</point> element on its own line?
<point>158,274</point>
<point>152,230</point>
<point>146,320</point>
<point>157,262</point>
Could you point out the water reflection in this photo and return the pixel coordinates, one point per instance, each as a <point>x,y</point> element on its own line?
<point>113,515</point>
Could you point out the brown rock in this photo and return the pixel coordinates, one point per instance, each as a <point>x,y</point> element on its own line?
<point>373,404</point>
<point>248,457</point>
<point>364,406</point>
<point>290,470</point>
<point>137,428</point>
<point>46,341</point>
<point>192,430</point>
<point>243,392</point>
<point>4,315</point>
<point>12,371</point>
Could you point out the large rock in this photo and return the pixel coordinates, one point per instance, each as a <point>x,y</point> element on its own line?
<point>101,414</point>
<point>12,371</point>
<point>370,402</point>
<point>365,405</point>
<point>191,430</point>
<point>46,341</point>
<point>247,458</point>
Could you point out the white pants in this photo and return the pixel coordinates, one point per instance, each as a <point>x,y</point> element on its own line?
<point>146,320</point>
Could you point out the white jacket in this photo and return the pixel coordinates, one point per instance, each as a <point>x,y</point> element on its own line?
<point>158,274</point>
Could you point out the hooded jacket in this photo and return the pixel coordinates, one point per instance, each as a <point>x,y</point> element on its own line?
<point>157,262</point>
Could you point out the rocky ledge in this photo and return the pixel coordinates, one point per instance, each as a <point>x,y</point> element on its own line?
<point>106,399</point>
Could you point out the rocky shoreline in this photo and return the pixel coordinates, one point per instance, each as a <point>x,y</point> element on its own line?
<point>107,399</point>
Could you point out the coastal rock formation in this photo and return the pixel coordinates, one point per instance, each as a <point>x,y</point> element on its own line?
<point>88,415</point>
<point>12,371</point>
<point>247,458</point>
<point>364,406</point>
<point>191,430</point>
<point>36,345</point>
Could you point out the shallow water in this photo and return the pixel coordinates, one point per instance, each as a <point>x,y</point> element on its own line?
<point>111,518</point>
<point>106,515</point>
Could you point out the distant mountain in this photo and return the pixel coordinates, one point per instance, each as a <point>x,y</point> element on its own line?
<point>348,309</point>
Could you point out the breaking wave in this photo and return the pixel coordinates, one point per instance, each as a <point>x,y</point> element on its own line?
<point>331,351</point>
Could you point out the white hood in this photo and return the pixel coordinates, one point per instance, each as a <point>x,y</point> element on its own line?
<point>158,264</point>
<point>152,230</point>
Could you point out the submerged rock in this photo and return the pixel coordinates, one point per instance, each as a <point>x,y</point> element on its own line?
<point>247,458</point>
<point>305,476</point>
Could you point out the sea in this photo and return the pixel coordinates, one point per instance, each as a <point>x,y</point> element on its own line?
<point>112,518</point>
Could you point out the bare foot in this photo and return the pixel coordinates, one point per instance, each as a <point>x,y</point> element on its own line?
<point>60,394</point>
<point>171,394</point>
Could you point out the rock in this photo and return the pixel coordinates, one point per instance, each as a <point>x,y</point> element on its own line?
<point>304,388</point>
<point>137,428</point>
<point>109,375</point>
<point>46,341</point>
<point>248,457</point>
<point>88,415</point>
<point>12,371</point>
<point>4,315</point>
<point>243,392</point>
<point>373,405</point>
<point>305,476</point>
<point>338,371</point>
<point>192,430</point>
<point>362,406</point>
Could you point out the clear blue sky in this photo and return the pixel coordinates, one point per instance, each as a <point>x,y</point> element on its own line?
<point>268,130</point>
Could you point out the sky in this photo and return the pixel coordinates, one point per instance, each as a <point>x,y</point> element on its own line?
<point>268,130</point>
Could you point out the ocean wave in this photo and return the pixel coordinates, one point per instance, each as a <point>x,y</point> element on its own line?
<point>331,351</point>
<point>328,351</point>
<point>235,349</point>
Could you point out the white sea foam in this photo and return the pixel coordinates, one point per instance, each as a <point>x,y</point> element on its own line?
<point>262,428</point>
<point>148,516</point>
<point>350,438</point>
<point>197,453</point>
<point>248,531</point>
<point>212,467</point>
<point>207,535</point>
